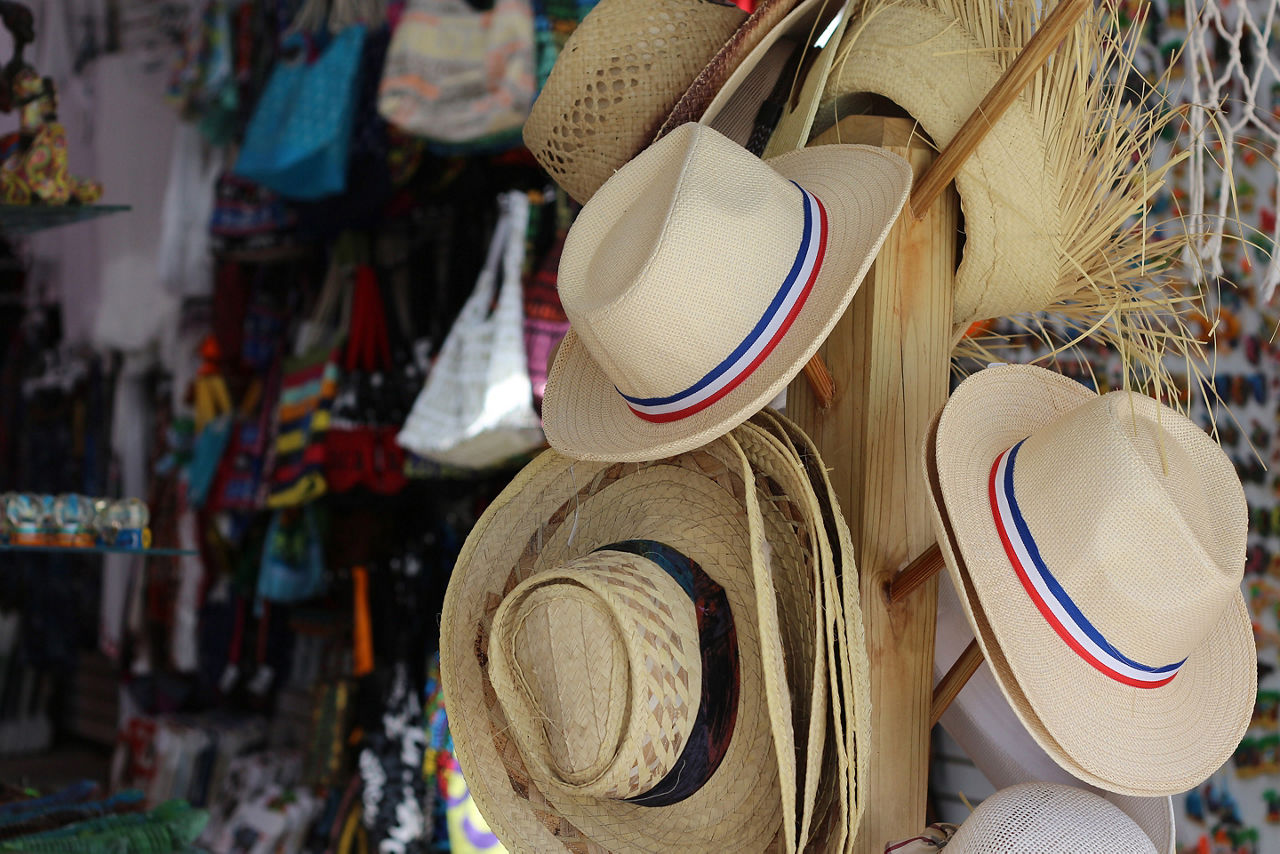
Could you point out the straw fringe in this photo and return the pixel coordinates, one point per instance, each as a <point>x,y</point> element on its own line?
<point>1118,274</point>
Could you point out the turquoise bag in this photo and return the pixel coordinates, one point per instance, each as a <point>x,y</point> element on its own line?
<point>299,138</point>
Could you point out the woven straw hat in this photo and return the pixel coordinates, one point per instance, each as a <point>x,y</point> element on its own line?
<point>1099,548</point>
<point>1051,194</point>
<point>632,72</point>
<point>645,741</point>
<point>986,728</point>
<point>1048,818</point>
<point>699,281</point>
<point>842,612</point>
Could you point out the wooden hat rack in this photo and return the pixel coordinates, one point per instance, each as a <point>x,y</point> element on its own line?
<point>867,400</point>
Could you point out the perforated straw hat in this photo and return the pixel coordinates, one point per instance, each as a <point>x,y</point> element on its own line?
<point>699,281</point>
<point>1048,818</point>
<point>613,662</point>
<point>1098,549</point>
<point>632,72</point>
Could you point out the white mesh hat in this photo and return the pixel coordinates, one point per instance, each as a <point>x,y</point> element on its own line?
<point>1098,546</point>
<point>1048,818</point>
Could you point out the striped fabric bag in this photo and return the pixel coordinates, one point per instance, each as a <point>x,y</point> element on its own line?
<point>308,386</point>
<point>454,74</point>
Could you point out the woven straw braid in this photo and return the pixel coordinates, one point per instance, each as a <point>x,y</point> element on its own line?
<point>619,75</point>
<point>650,631</point>
<point>846,636</point>
<point>1049,818</point>
<point>792,519</point>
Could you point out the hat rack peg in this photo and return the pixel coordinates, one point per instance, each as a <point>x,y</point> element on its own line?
<point>955,680</point>
<point>1042,45</point>
<point>820,380</point>
<point>916,573</point>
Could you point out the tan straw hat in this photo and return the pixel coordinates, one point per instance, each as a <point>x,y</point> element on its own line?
<point>1099,547</point>
<point>699,281</point>
<point>632,72</point>
<point>1048,818</point>
<point>612,647</point>
<point>981,721</point>
<point>1055,198</point>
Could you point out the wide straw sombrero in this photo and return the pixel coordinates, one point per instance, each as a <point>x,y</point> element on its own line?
<point>794,530</point>
<point>593,708</point>
<point>1055,198</point>
<point>1098,550</point>
<point>632,72</point>
<point>699,281</point>
<point>981,721</point>
<point>842,609</point>
<point>1048,818</point>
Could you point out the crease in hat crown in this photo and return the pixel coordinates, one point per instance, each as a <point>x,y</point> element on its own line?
<point>674,263</point>
<point>621,73</point>
<point>596,665</point>
<point>1119,498</point>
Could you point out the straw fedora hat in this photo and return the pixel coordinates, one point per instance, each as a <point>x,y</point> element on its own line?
<point>1048,818</point>
<point>981,721</point>
<point>699,281</point>
<point>632,72</point>
<point>1098,550</point>
<point>651,589</point>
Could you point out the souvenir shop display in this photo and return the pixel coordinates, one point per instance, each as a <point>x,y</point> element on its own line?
<point>632,427</point>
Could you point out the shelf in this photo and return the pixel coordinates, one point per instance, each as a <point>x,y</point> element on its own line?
<point>18,220</point>
<point>98,550</point>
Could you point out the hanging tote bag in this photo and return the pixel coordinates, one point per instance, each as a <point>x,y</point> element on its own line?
<point>299,136</point>
<point>454,74</point>
<point>476,407</point>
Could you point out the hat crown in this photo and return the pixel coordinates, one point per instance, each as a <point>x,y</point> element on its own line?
<point>1050,818</point>
<point>621,72</point>
<point>1140,518</point>
<point>677,258</point>
<point>597,667</point>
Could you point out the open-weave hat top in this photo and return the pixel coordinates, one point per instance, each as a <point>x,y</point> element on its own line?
<point>1048,818</point>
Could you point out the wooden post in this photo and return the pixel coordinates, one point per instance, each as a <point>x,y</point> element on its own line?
<point>889,356</point>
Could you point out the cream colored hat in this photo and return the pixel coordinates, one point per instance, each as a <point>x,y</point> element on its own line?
<point>1099,549</point>
<point>1048,818</point>
<point>699,281</point>
<point>608,667</point>
<point>632,72</point>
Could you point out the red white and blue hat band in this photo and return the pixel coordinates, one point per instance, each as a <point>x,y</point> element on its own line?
<point>1048,595</point>
<point>762,339</point>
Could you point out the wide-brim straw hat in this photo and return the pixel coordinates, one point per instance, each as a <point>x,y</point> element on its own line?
<point>1048,818</point>
<point>981,721</point>
<point>1098,552</point>
<point>1055,198</point>
<point>842,613</point>
<point>632,72</point>
<point>553,517</point>
<point>700,280</point>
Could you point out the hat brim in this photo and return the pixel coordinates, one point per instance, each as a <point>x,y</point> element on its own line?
<point>850,674</point>
<point>1135,741</point>
<point>863,189</point>
<point>557,509</point>
<point>982,722</point>
<point>743,47</point>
